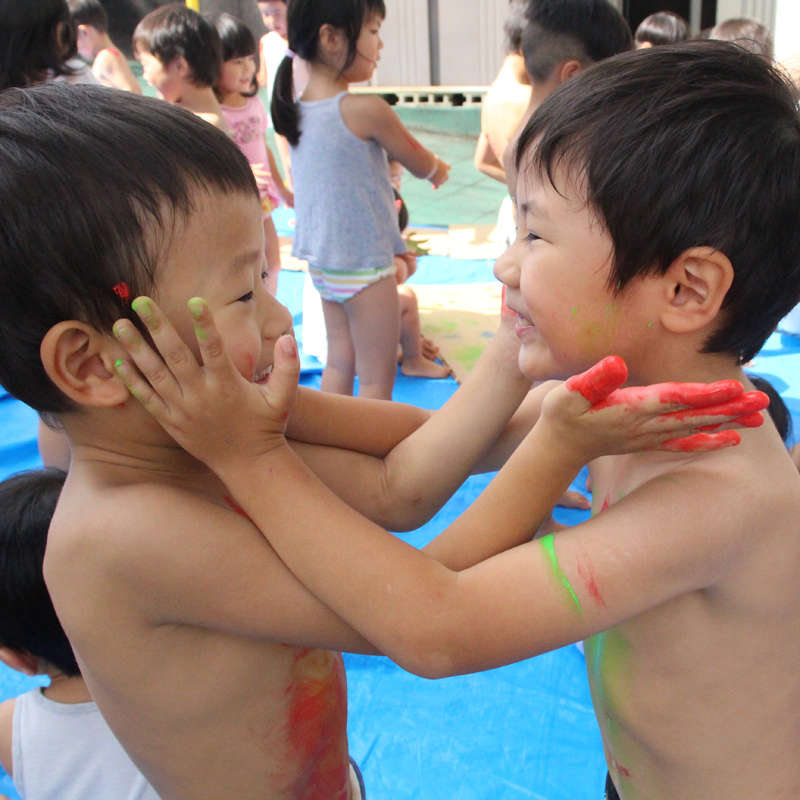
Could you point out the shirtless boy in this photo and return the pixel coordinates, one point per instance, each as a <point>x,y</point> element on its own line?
<point>658,209</point>
<point>215,668</point>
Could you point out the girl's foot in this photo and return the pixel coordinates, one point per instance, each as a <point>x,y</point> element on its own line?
<point>423,368</point>
<point>428,349</point>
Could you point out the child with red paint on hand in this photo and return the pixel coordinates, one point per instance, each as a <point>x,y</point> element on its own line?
<point>109,65</point>
<point>644,233</point>
<point>154,569</point>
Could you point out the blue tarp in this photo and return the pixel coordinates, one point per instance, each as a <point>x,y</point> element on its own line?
<point>524,731</point>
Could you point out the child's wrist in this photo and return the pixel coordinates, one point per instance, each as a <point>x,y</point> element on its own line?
<point>435,169</point>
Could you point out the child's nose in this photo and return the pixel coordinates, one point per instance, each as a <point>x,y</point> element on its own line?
<point>506,269</point>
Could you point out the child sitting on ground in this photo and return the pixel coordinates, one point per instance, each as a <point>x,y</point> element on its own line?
<point>644,232</point>
<point>247,121</point>
<point>109,65</point>
<point>181,56</point>
<point>218,672</point>
<point>53,741</point>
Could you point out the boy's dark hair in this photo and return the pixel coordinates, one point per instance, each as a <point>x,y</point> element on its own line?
<point>28,621</point>
<point>99,246</point>
<point>686,146</point>
<point>665,27</point>
<point>778,411</point>
<point>514,25</point>
<point>176,30</point>
<point>304,18</point>
<point>747,33</point>
<point>89,12</point>
<point>36,39</point>
<point>562,30</point>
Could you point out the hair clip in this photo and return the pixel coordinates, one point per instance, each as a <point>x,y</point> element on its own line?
<point>290,53</point>
<point>122,291</point>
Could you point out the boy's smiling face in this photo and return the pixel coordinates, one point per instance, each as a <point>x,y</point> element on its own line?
<point>218,254</point>
<point>556,273</point>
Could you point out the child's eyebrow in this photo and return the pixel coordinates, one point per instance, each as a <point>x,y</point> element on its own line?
<point>238,263</point>
<point>535,210</point>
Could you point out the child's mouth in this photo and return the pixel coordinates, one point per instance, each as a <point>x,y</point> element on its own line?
<point>523,326</point>
<point>263,376</point>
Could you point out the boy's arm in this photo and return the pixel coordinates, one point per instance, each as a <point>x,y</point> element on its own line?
<point>486,161</point>
<point>111,67</point>
<point>6,734</point>
<point>370,117</point>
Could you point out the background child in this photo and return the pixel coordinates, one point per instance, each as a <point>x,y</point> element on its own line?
<point>181,56</point>
<point>747,33</point>
<point>109,65</point>
<point>37,42</point>
<point>247,121</point>
<point>346,219</point>
<point>53,741</point>
<point>665,27</point>
<point>153,569</point>
<point>685,584</point>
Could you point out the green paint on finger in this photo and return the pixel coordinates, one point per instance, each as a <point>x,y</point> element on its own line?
<point>550,551</point>
<point>200,333</point>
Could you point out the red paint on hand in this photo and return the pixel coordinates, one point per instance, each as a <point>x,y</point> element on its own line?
<point>702,442</point>
<point>745,407</point>
<point>601,380</point>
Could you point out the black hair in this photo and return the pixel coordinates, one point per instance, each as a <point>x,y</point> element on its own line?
<point>237,42</point>
<point>304,18</point>
<point>683,146</point>
<point>89,12</point>
<point>778,411</point>
<point>665,27</point>
<point>176,30</point>
<point>402,210</point>
<point>562,30</point>
<point>86,255</point>
<point>514,25</point>
<point>36,41</point>
<point>747,33</point>
<point>28,621</point>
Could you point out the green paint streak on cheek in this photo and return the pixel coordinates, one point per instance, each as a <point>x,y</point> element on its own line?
<point>550,551</point>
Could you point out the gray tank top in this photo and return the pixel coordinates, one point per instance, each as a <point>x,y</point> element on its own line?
<point>346,216</point>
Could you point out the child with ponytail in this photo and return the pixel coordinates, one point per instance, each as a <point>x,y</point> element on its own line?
<point>346,218</point>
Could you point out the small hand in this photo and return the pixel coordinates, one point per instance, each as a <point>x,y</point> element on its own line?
<point>212,411</point>
<point>286,195</point>
<point>441,175</point>
<point>606,420</point>
<point>261,174</point>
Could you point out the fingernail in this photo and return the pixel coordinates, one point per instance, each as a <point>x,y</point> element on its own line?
<point>196,307</point>
<point>119,364</point>
<point>123,332</point>
<point>289,346</point>
<point>142,306</point>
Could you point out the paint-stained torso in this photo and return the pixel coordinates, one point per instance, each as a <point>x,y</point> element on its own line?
<point>697,697</point>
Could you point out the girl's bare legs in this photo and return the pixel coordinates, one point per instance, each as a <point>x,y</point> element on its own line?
<point>415,363</point>
<point>374,317</point>
<point>272,250</point>
<point>340,369</point>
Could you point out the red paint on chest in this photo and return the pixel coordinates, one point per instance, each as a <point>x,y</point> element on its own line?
<point>606,502</point>
<point>597,383</point>
<point>234,507</point>
<point>317,725</point>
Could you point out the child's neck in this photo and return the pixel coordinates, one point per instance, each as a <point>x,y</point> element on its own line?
<point>198,99</point>
<point>102,42</point>
<point>233,100</point>
<point>68,690</point>
<point>324,81</point>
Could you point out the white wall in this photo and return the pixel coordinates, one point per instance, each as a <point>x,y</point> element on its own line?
<point>787,28</point>
<point>405,59</point>
<point>762,10</point>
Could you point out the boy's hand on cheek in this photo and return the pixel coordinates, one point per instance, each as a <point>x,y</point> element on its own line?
<point>596,417</point>
<point>211,411</point>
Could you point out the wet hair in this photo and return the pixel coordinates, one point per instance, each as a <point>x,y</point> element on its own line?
<point>779,413</point>
<point>237,41</point>
<point>304,18</point>
<point>683,146</point>
<point>101,245</point>
<point>514,25</point>
<point>562,30</point>
<point>665,27</point>
<point>36,40</point>
<point>28,621</point>
<point>89,12</point>
<point>747,33</point>
<point>176,30</point>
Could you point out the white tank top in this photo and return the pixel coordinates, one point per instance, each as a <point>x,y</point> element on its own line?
<point>64,751</point>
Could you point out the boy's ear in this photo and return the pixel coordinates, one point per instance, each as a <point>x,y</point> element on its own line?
<point>695,286</point>
<point>569,69</point>
<point>80,361</point>
<point>21,661</point>
<point>180,66</point>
